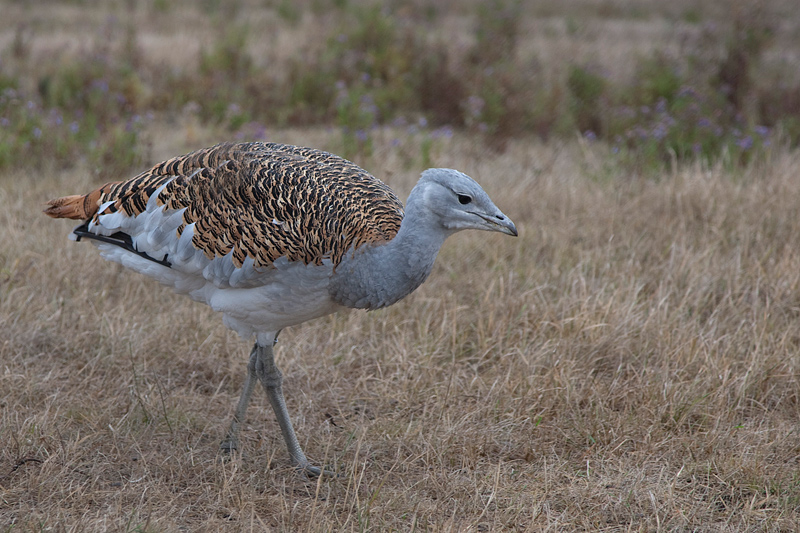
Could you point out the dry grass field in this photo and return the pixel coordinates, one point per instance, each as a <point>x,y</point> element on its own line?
<point>630,362</point>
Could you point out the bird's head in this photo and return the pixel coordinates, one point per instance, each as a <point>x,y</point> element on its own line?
<point>459,202</point>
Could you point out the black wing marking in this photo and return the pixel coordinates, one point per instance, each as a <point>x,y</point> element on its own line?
<point>123,240</point>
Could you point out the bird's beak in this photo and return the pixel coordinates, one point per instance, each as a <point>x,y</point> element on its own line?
<point>500,222</point>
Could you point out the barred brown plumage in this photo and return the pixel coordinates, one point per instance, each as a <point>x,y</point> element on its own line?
<point>234,192</point>
<point>272,235</point>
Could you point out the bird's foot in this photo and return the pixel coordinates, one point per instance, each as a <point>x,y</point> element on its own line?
<point>313,472</point>
<point>228,447</point>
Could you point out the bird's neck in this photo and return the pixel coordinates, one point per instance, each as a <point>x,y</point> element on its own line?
<point>376,276</point>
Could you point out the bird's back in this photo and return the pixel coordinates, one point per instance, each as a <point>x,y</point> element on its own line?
<point>261,201</point>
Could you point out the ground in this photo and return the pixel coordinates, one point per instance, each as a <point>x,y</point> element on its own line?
<point>630,362</point>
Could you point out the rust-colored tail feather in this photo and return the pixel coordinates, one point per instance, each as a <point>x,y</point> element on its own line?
<point>77,206</point>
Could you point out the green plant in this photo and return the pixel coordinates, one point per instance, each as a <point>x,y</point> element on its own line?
<point>586,88</point>
<point>356,115</point>
<point>751,33</point>
<point>656,78</point>
<point>496,30</point>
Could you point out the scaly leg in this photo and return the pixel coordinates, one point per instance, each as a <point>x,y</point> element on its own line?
<point>261,367</point>
<point>272,379</point>
<point>231,441</point>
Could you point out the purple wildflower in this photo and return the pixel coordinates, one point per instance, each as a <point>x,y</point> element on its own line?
<point>444,131</point>
<point>627,112</point>
<point>745,143</point>
<point>101,84</point>
<point>475,106</point>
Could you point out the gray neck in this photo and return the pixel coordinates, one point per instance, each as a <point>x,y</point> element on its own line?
<point>377,276</point>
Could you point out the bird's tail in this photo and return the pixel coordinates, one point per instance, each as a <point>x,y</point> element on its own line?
<point>77,206</point>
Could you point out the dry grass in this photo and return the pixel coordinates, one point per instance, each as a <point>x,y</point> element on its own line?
<point>630,362</point>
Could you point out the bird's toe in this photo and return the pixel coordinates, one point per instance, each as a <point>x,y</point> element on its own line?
<point>314,472</point>
<point>228,447</point>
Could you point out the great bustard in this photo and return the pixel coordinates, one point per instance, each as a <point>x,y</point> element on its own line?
<point>272,235</point>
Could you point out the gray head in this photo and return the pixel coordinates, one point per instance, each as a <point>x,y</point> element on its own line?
<point>459,202</point>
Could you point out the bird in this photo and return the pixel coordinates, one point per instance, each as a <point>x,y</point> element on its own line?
<point>272,235</point>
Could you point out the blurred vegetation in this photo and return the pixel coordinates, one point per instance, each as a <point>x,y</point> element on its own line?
<point>93,107</point>
<point>374,66</point>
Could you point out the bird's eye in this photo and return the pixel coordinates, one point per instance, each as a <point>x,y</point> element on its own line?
<point>463,199</point>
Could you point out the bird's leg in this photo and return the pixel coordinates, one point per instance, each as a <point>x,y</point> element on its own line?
<point>271,378</point>
<point>231,441</point>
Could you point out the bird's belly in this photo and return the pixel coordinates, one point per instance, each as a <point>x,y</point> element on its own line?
<point>269,308</point>
<point>283,296</point>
